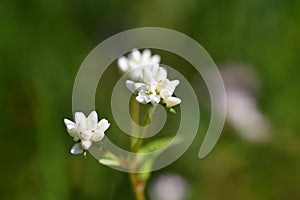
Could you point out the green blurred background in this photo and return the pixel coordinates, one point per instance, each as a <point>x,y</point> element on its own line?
<point>42,45</point>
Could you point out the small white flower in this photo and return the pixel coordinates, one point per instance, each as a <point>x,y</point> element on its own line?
<point>135,62</point>
<point>154,87</point>
<point>85,131</point>
<point>148,94</point>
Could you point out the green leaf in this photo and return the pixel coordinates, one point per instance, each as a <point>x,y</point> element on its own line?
<point>109,162</point>
<point>108,158</point>
<point>147,162</point>
<point>155,145</point>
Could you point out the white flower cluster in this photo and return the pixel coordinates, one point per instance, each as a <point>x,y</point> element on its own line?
<point>85,131</point>
<point>151,82</point>
<point>135,61</point>
<point>148,80</point>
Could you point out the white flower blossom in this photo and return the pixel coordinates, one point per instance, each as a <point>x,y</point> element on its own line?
<point>154,87</point>
<point>85,131</point>
<point>135,61</point>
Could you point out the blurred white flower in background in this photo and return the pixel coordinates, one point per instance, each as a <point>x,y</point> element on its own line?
<point>169,187</point>
<point>242,85</point>
<point>135,62</point>
<point>85,131</point>
<point>154,87</point>
<point>245,116</point>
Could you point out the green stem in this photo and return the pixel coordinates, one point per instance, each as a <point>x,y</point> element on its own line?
<point>138,186</point>
<point>139,141</point>
<point>135,115</point>
<point>137,183</point>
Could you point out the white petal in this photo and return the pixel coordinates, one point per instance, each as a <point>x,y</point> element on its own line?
<point>130,85</point>
<point>147,99</point>
<point>165,83</point>
<point>168,85</point>
<point>136,55</point>
<point>98,135</point>
<point>133,64</point>
<point>71,128</point>
<point>86,135</point>
<point>72,131</point>
<point>139,86</point>
<point>172,101</point>
<point>152,86</point>
<point>174,84</point>
<point>140,99</point>
<point>165,94</point>
<point>68,122</point>
<point>155,100</point>
<point>160,74</point>
<point>155,59</point>
<point>103,125</point>
<point>146,54</point>
<point>144,96</point>
<point>123,64</point>
<point>92,121</point>
<point>147,75</point>
<point>86,144</point>
<point>76,149</point>
<point>136,74</point>
<point>80,120</point>
<point>154,67</point>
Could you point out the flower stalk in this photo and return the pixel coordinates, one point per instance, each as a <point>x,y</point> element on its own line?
<point>137,182</point>
<point>138,186</point>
